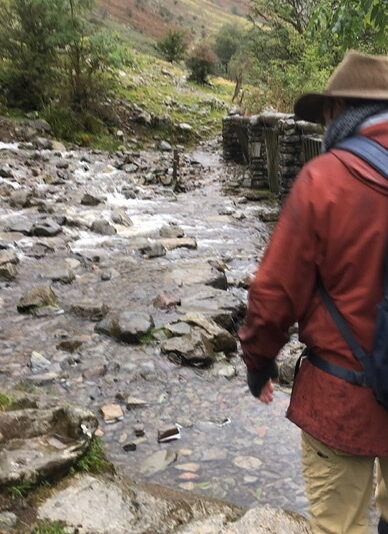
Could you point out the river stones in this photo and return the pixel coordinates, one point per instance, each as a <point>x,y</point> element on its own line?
<point>103,227</point>
<point>153,249</point>
<point>45,228</point>
<point>180,242</point>
<point>221,306</point>
<point>220,338</point>
<point>191,349</point>
<point>20,198</point>
<point>89,309</point>
<point>158,461</point>
<point>37,297</point>
<point>127,326</point>
<point>91,200</point>
<point>171,231</point>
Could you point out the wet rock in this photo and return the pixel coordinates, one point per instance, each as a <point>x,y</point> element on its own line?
<point>8,257</point>
<point>91,200</point>
<point>112,413</point>
<point>224,369</point>
<point>103,227</point>
<point>120,217</point>
<point>6,171</point>
<point>171,231</point>
<point>20,198</point>
<point>70,344</point>
<point>39,250</point>
<point>8,272</point>
<point>165,301</point>
<point>41,442</point>
<point>223,307</point>
<point>178,329</point>
<point>182,242</point>
<point>47,311</point>
<point>127,326</point>
<point>132,404</point>
<point>247,462</point>
<point>43,379</point>
<point>221,339</point>
<point>89,309</point>
<point>45,228</point>
<point>192,349</point>
<point>59,272</point>
<point>190,273</point>
<point>91,505</point>
<point>19,226</point>
<point>153,250</point>
<point>37,297</point>
<point>8,520</point>
<point>158,461</point>
<point>39,363</point>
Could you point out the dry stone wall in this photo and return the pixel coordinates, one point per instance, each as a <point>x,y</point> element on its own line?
<point>274,146</point>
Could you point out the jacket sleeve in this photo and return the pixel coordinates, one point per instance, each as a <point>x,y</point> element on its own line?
<point>285,281</point>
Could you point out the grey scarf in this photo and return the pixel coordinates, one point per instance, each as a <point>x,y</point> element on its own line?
<point>347,123</point>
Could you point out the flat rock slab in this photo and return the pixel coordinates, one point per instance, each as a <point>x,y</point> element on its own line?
<point>261,520</point>
<point>38,443</point>
<point>91,505</point>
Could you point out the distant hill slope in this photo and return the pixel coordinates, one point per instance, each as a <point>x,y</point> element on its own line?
<point>152,17</point>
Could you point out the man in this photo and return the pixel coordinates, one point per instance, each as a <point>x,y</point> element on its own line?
<point>333,228</point>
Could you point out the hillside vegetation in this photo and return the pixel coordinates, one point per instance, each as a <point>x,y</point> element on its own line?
<point>152,18</point>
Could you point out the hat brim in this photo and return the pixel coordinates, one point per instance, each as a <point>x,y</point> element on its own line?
<point>309,107</point>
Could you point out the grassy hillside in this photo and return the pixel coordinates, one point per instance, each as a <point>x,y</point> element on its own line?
<point>151,18</point>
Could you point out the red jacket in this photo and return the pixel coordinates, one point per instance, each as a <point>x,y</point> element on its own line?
<point>335,222</point>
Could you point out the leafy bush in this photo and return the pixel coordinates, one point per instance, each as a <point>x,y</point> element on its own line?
<point>202,62</point>
<point>173,46</point>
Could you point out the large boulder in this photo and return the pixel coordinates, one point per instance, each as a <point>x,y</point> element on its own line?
<point>37,297</point>
<point>127,326</point>
<point>191,349</point>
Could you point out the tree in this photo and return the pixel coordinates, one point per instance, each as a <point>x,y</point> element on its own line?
<point>30,35</point>
<point>50,52</point>
<point>173,46</point>
<point>202,62</point>
<point>294,13</point>
<point>227,43</point>
<point>352,24</point>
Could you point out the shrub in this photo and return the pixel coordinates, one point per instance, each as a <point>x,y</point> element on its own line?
<point>201,62</point>
<point>173,46</point>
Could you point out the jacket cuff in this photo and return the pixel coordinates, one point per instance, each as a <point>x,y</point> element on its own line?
<point>257,379</point>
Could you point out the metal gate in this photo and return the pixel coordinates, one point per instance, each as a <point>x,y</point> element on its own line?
<point>272,148</point>
<point>311,147</point>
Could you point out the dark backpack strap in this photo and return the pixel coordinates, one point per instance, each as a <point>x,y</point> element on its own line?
<point>370,151</point>
<point>348,336</point>
<point>350,375</point>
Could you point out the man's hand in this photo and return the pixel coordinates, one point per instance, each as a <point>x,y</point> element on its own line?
<point>266,394</point>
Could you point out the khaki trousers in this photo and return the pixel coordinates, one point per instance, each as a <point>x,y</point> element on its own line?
<point>339,488</point>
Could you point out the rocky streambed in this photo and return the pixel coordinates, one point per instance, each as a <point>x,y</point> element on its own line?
<point>122,285</point>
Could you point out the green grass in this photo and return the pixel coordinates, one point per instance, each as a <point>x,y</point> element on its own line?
<point>93,461</point>
<point>5,402</point>
<point>19,491</point>
<point>49,528</point>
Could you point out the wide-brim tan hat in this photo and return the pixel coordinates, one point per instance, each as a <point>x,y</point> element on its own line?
<point>359,76</point>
